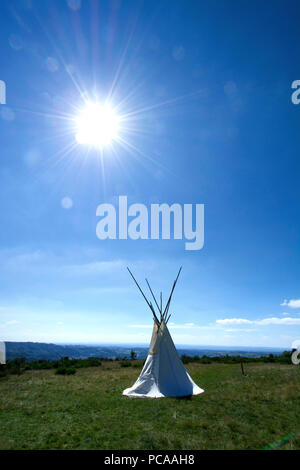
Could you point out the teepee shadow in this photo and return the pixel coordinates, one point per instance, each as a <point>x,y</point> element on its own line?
<point>185,397</point>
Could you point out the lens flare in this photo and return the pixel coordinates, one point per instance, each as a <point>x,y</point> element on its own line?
<point>97,125</point>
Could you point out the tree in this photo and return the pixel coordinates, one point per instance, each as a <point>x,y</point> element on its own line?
<point>132,355</point>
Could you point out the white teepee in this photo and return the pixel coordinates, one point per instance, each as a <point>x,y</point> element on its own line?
<point>163,374</point>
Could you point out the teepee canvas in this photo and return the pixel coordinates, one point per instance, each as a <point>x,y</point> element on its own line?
<point>163,374</point>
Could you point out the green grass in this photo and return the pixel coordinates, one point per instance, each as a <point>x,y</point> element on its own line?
<point>41,410</point>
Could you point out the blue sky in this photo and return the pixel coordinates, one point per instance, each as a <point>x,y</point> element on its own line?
<point>207,88</point>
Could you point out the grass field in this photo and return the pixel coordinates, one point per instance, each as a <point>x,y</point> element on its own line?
<point>41,410</point>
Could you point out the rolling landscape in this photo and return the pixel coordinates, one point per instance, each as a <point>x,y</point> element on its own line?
<point>35,351</point>
<point>72,399</point>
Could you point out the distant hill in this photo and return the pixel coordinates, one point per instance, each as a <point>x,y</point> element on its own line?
<point>48,351</point>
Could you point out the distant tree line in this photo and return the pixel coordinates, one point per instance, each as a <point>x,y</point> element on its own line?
<point>64,365</point>
<point>283,358</point>
<point>67,366</point>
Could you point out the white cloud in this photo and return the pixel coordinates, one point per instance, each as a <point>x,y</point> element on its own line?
<point>48,262</point>
<point>95,267</point>
<point>264,321</point>
<point>228,322</point>
<point>279,321</point>
<point>141,326</point>
<point>8,323</point>
<point>24,259</point>
<point>285,314</point>
<point>234,321</point>
<point>234,330</point>
<point>105,290</point>
<point>293,303</point>
<point>177,326</point>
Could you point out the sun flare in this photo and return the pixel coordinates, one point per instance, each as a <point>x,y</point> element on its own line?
<point>97,125</point>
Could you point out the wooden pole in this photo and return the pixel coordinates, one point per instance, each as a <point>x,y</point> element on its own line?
<point>169,300</point>
<point>148,303</point>
<point>153,296</point>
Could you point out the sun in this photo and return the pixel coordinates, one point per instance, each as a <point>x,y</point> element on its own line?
<point>97,125</point>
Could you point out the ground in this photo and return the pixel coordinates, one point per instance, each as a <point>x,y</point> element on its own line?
<point>41,410</point>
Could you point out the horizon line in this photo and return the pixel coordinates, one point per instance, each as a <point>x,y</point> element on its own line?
<point>146,345</point>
